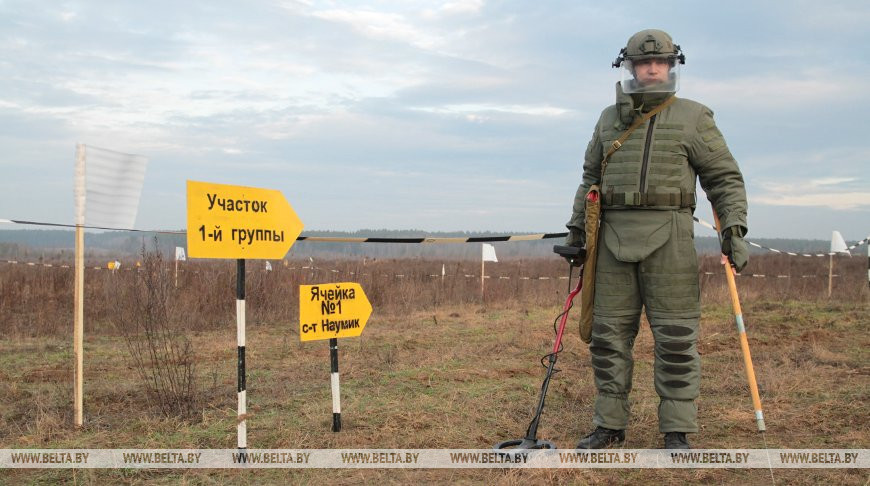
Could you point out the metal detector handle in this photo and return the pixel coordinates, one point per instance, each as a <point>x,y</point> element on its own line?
<point>574,254</point>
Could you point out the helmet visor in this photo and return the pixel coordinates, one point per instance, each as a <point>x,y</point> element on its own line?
<point>650,75</point>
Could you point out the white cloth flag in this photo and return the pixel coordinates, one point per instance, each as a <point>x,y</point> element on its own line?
<point>179,254</point>
<point>838,244</point>
<point>489,253</point>
<point>108,185</point>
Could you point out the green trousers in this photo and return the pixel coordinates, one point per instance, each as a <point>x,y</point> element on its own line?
<point>647,260</point>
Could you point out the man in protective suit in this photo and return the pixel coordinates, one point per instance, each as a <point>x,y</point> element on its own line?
<point>655,145</point>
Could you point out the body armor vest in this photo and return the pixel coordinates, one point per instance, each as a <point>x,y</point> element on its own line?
<point>651,169</point>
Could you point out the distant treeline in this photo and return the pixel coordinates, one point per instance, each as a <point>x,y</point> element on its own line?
<point>33,245</point>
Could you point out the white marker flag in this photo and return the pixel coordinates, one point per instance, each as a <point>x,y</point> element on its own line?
<point>489,253</point>
<point>179,254</point>
<point>107,187</point>
<point>838,244</point>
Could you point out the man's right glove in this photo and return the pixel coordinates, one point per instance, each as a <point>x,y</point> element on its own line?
<point>734,247</point>
<point>576,239</point>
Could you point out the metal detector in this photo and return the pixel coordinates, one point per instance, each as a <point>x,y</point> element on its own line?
<point>575,257</point>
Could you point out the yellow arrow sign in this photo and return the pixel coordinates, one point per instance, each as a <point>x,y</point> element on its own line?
<point>238,222</point>
<point>333,310</point>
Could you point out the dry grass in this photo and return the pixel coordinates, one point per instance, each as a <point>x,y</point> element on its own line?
<point>435,367</point>
<point>37,301</point>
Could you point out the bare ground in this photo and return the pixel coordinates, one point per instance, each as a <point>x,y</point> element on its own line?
<point>457,376</point>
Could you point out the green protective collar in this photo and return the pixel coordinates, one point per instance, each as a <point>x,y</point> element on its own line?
<point>632,106</point>
<point>625,107</point>
<point>644,102</point>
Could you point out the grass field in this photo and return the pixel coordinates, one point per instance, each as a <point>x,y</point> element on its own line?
<point>454,373</point>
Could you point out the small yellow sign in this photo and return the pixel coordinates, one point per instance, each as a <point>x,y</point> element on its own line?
<point>226,221</point>
<point>333,310</point>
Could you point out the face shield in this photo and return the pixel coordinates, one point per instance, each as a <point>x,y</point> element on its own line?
<point>653,74</point>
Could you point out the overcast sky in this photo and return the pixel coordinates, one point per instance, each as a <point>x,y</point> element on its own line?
<point>464,115</point>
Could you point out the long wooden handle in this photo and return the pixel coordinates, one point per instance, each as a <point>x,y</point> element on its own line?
<point>741,330</point>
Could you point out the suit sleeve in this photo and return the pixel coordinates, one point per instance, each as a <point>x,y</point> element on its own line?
<point>591,175</point>
<point>718,172</point>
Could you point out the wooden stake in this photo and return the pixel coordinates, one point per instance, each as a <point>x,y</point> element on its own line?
<point>78,325</point>
<point>482,271</point>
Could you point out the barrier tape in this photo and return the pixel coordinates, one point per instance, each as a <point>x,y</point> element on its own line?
<point>334,239</point>
<point>400,275</point>
<point>439,240</point>
<point>752,243</point>
<point>61,225</point>
<point>471,239</point>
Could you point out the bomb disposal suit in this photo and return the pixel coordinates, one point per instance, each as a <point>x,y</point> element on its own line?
<point>646,252</point>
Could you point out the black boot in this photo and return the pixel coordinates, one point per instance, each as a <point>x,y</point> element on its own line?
<point>602,438</point>
<point>676,440</point>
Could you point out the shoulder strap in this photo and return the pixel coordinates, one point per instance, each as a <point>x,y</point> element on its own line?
<point>640,121</point>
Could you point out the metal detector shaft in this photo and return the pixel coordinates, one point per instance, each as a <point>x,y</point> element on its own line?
<point>744,342</point>
<point>565,309</point>
<point>575,257</point>
<point>532,432</point>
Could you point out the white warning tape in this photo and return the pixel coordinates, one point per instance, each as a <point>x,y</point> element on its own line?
<point>752,243</point>
<point>401,275</point>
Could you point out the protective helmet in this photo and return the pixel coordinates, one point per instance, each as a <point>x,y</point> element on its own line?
<point>650,63</point>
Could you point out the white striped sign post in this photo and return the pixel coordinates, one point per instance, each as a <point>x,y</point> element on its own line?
<point>332,311</point>
<point>333,379</point>
<point>240,223</point>
<point>240,335</point>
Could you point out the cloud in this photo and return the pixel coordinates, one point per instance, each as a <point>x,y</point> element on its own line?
<point>454,8</point>
<point>814,192</point>
<point>380,25</point>
<point>834,178</point>
<point>773,90</point>
<point>385,113</point>
<point>832,181</point>
<point>844,200</point>
<point>475,111</point>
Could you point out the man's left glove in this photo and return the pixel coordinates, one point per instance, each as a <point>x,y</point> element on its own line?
<point>734,247</point>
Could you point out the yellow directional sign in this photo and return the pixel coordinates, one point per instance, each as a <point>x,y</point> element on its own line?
<point>238,222</point>
<point>333,310</point>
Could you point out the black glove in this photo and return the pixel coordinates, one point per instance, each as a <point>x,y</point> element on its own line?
<point>734,247</point>
<point>578,259</point>
<point>576,238</point>
<point>574,255</point>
